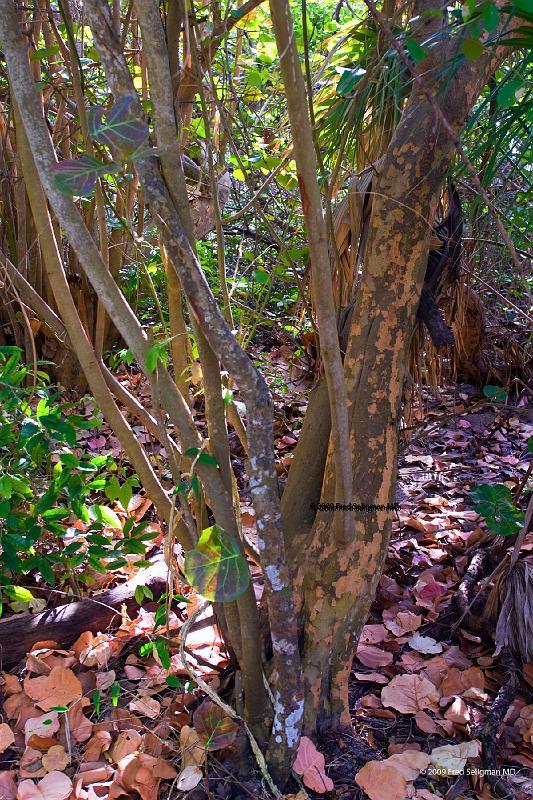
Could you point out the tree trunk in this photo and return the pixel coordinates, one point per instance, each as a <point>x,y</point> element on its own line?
<point>337,584</point>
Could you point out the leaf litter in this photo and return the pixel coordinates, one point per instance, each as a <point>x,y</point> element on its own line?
<point>103,719</point>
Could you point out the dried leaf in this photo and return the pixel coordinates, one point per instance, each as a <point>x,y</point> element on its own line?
<point>97,744</point>
<point>8,787</point>
<point>81,728</point>
<point>193,752</point>
<point>7,737</point>
<point>451,758</point>
<point>373,657</point>
<point>424,644</point>
<point>104,680</point>
<point>409,694</point>
<point>45,725</point>
<point>425,722</point>
<point>127,742</point>
<point>373,634</point>
<point>60,688</point>
<point>189,778</point>
<point>381,781</point>
<point>310,764</point>
<point>462,682</point>
<point>147,706</point>
<point>458,712</point>
<point>372,677</point>
<point>31,765</point>
<point>401,622</point>
<point>54,786</point>
<point>56,759</point>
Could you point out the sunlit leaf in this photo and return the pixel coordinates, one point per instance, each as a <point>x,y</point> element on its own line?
<point>105,514</point>
<point>216,567</point>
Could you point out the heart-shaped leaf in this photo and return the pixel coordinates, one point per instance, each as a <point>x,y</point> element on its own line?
<point>216,567</point>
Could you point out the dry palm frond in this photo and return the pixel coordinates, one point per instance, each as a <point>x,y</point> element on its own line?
<point>510,606</point>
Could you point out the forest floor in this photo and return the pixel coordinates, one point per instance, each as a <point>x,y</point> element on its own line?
<point>118,716</point>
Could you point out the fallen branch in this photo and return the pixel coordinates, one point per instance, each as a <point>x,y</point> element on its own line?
<point>65,623</point>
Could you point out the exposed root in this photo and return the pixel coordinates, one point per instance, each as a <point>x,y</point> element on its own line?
<point>488,732</point>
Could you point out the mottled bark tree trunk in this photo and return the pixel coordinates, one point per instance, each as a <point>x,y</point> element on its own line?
<point>337,584</point>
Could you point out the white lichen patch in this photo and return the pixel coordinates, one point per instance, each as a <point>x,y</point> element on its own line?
<point>273,576</point>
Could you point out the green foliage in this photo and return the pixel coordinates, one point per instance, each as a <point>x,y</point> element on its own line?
<point>495,393</point>
<point>216,567</point>
<point>47,483</point>
<point>494,502</point>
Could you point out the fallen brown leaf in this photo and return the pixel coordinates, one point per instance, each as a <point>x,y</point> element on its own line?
<point>409,694</point>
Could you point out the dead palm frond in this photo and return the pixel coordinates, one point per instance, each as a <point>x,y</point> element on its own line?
<point>510,607</point>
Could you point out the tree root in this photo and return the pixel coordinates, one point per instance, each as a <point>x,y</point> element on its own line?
<point>465,603</point>
<point>487,733</point>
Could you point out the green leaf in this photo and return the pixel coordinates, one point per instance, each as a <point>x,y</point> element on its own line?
<point>254,78</point>
<point>191,452</point>
<point>261,276</point>
<point>44,52</point>
<point>214,727</point>
<point>524,5</point>
<point>195,486</point>
<point>494,503</point>
<point>472,48</point>
<point>139,594</point>
<point>154,354</point>
<point>415,50</point>
<point>216,567</point>
<point>69,460</point>
<point>18,593</point>
<point>105,514</point>
<point>146,649</point>
<point>491,16</point>
<point>495,393</point>
<point>163,653</point>
<point>349,80</point>
<point>530,444</point>
<point>6,487</point>
<point>207,458</point>
<point>96,702</point>
<point>115,694</point>
<point>174,682</point>
<point>509,93</point>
